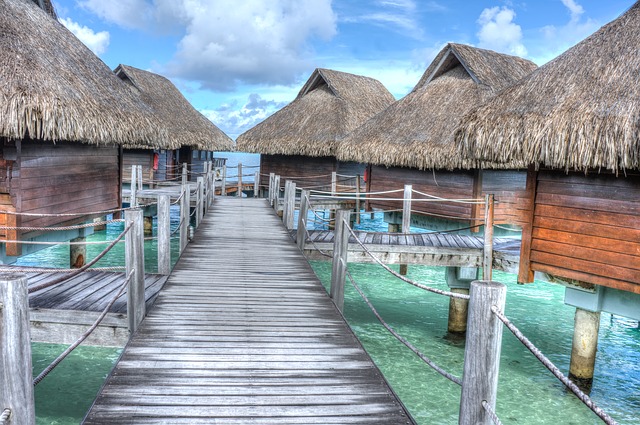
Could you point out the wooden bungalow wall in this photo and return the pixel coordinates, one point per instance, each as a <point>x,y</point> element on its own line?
<point>290,167</point>
<point>509,188</point>
<point>59,178</point>
<point>142,157</point>
<point>585,228</point>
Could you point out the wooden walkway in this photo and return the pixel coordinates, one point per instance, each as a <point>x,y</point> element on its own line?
<point>243,332</point>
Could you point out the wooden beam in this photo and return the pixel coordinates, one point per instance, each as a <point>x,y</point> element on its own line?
<point>525,273</point>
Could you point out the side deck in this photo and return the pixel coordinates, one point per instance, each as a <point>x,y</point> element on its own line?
<point>243,332</point>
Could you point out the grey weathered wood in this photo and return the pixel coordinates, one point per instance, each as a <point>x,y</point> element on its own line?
<point>200,201</point>
<point>211,193</point>
<point>339,264</point>
<point>334,183</point>
<point>406,209</point>
<point>285,203</point>
<point>134,186</point>
<point>256,184</point>
<point>185,173</point>
<point>358,199</point>
<point>223,189</point>
<point>272,179</point>
<point>239,192</point>
<point>482,352</point>
<point>134,257</point>
<point>16,380</point>
<point>164,235</point>
<point>487,261</point>
<point>140,175</point>
<point>301,234</point>
<point>290,205</point>
<point>276,192</point>
<point>261,343</point>
<point>184,217</point>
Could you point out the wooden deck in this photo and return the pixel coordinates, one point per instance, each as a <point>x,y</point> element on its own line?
<point>243,332</point>
<point>436,249</point>
<point>61,313</point>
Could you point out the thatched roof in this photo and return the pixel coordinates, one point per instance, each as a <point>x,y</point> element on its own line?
<point>47,6</point>
<point>186,126</point>
<point>329,105</point>
<point>579,111</point>
<point>52,87</point>
<point>417,131</point>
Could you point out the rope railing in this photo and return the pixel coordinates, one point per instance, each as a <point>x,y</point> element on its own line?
<point>62,228</point>
<point>399,276</point>
<point>492,415</point>
<point>83,268</point>
<point>78,214</point>
<point>5,416</point>
<point>410,346</point>
<point>584,398</point>
<point>426,200</point>
<point>84,336</point>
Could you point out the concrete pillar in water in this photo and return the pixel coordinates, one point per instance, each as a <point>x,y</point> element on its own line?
<point>148,225</point>
<point>584,348</point>
<point>459,280</point>
<point>77,253</point>
<point>101,226</point>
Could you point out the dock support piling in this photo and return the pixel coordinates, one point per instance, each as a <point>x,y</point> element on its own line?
<point>100,226</point>
<point>239,192</point>
<point>358,199</point>
<point>339,263</point>
<point>185,175</point>
<point>164,235</point>
<point>16,379</point>
<point>482,352</point>
<point>272,179</point>
<point>134,255</point>
<point>301,235</point>
<point>584,348</point>
<point>78,253</point>
<point>334,183</point>
<point>459,281</point>
<point>148,225</point>
<point>487,261</point>
<point>276,198</point>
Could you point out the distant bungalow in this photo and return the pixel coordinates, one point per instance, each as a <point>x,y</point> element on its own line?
<point>411,142</point>
<point>299,141</point>
<point>576,120</point>
<point>192,137</point>
<point>62,115</point>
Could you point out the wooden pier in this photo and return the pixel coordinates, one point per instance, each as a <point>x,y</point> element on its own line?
<point>243,332</point>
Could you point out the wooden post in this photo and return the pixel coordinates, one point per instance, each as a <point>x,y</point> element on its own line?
<point>134,259</point>
<point>482,352</point>
<point>334,183</point>
<point>272,180</point>
<point>223,189</point>
<point>140,182</point>
<point>133,201</point>
<point>358,199</point>
<point>289,204</point>
<point>256,184</point>
<point>276,199</point>
<point>301,235</point>
<point>184,217</point>
<point>406,209</point>
<point>584,348</point>
<point>185,175</point>
<point>339,263</point>
<point>487,261</point>
<point>16,379</point>
<point>239,193</point>
<point>212,185</point>
<point>164,235</point>
<point>78,253</point>
<point>199,201</point>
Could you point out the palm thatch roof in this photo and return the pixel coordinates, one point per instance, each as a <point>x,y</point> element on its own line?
<point>52,87</point>
<point>47,6</point>
<point>185,125</point>
<point>579,111</point>
<point>417,131</point>
<point>329,105</point>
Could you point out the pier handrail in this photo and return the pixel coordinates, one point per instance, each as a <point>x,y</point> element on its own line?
<point>5,416</point>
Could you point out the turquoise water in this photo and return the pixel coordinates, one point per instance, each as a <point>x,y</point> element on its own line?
<point>528,393</point>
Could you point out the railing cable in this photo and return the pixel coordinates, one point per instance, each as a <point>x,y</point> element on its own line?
<point>494,418</point>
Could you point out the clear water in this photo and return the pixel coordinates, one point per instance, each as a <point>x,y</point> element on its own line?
<point>528,393</point>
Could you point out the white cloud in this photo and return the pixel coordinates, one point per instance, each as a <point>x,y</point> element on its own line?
<point>565,36</point>
<point>400,15</point>
<point>96,41</point>
<point>499,32</point>
<point>228,41</point>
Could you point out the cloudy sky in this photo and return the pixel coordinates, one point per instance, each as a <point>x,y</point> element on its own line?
<point>238,61</point>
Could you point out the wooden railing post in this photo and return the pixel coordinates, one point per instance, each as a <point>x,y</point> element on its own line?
<point>212,184</point>
<point>487,262</point>
<point>272,181</point>
<point>223,190</point>
<point>164,235</point>
<point>256,184</point>
<point>482,352</point>
<point>133,200</point>
<point>140,182</point>
<point>289,204</point>
<point>184,217</point>
<point>200,201</point>
<point>276,193</point>
<point>339,263</point>
<point>301,235</point>
<point>16,379</point>
<point>239,193</point>
<point>185,173</point>
<point>334,183</point>
<point>358,199</point>
<point>406,209</point>
<point>134,259</point>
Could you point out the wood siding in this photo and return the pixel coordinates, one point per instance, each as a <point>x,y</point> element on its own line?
<point>289,167</point>
<point>587,228</point>
<point>142,157</point>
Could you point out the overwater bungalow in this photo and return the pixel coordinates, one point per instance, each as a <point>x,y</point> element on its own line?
<point>411,142</point>
<point>63,114</point>
<point>192,137</point>
<point>576,122</point>
<point>299,141</point>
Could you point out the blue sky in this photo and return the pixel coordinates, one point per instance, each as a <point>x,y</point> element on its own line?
<point>238,61</point>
